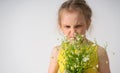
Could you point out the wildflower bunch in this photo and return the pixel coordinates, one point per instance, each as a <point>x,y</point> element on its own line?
<point>77,55</point>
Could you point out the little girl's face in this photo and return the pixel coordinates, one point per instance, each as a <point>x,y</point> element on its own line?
<point>73,22</point>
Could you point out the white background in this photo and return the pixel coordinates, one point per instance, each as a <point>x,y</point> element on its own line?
<point>28,32</point>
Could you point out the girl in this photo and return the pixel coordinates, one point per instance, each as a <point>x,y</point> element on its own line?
<point>74,16</point>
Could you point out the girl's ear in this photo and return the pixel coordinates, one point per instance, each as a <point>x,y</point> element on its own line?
<point>88,23</point>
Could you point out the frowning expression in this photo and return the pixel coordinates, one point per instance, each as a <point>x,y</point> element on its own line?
<point>73,22</point>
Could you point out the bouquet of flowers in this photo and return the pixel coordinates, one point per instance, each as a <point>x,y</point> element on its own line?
<point>77,55</point>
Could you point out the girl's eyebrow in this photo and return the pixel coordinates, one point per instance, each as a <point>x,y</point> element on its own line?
<point>79,24</point>
<point>66,25</point>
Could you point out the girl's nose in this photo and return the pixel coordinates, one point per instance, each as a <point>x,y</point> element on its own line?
<point>72,32</point>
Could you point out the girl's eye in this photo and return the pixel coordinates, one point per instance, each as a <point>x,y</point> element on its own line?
<point>67,26</point>
<point>78,26</point>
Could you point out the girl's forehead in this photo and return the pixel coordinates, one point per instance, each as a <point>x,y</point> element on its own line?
<point>72,18</point>
<point>72,13</point>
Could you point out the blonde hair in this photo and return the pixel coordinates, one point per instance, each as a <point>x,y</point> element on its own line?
<point>75,5</point>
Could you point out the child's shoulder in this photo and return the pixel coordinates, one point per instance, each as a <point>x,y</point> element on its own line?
<point>55,50</point>
<point>101,51</point>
